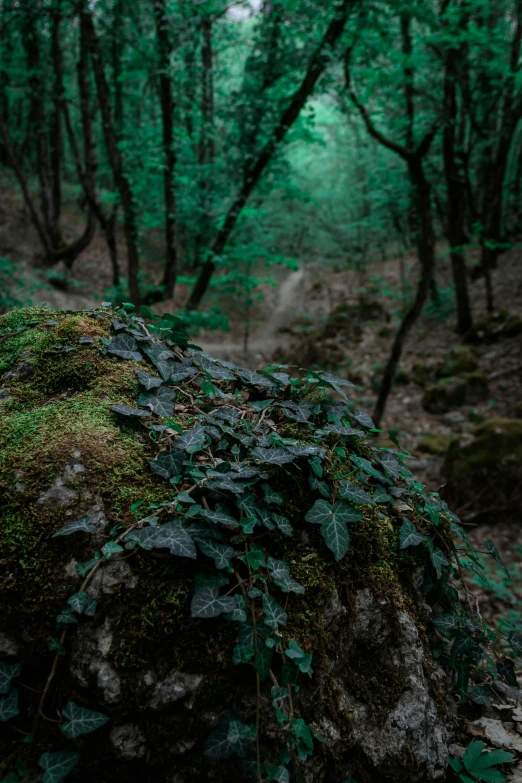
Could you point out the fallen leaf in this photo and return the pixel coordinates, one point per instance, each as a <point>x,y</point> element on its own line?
<point>497,733</point>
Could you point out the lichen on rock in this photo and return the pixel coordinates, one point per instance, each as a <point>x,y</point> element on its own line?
<point>290,471</point>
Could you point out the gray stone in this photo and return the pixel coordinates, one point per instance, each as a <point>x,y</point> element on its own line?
<point>174,687</point>
<point>4,396</point>
<point>8,646</point>
<point>90,648</point>
<point>129,741</point>
<point>109,577</point>
<point>60,493</point>
<point>455,419</point>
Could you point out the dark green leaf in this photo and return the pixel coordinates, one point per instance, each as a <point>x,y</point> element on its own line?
<point>275,456</point>
<point>83,524</point>
<point>492,549</point>
<point>271,496</point>
<point>168,463</point>
<point>125,346</point>
<point>149,381</point>
<point>263,662</point>
<point>207,602</point>
<point>409,535</point>
<point>283,524</point>
<point>124,410</point>
<point>221,553</point>
<point>7,673</point>
<point>356,494</point>
<point>175,537</point>
<point>161,403</point>
<point>9,706</point>
<point>79,720</point>
<point>280,573</point>
<point>57,765</point>
<point>274,613</point>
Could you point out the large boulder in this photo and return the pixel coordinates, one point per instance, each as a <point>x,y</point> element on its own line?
<point>119,455</point>
<point>448,393</point>
<point>484,469</point>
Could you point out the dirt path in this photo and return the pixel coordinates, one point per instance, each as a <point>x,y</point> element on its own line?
<point>269,335</point>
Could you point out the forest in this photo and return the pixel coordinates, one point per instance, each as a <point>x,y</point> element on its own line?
<point>221,194</point>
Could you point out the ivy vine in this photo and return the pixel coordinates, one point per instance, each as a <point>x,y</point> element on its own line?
<point>233,451</point>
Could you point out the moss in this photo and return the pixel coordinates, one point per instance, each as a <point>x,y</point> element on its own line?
<point>494,442</point>
<point>459,361</point>
<point>434,443</point>
<point>421,373</point>
<point>452,392</point>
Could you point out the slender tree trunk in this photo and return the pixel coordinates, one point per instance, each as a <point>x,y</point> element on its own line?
<point>253,174</point>
<point>456,195</point>
<point>113,153</point>
<point>56,140</point>
<point>426,253</point>
<point>167,120</point>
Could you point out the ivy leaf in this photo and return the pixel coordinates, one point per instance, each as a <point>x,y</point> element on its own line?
<point>335,382</point>
<point>263,662</point>
<point>278,774</point>
<point>297,411</point>
<point>306,450</point>
<point>111,548</point>
<point>125,346</point>
<point>242,654</point>
<point>219,517</point>
<point>223,745</point>
<point>364,419</point>
<point>272,456</point>
<point>479,696</point>
<point>322,512</point>
<point>66,617</point>
<point>77,602</point>
<point>168,463</point>
<point>175,537</point>
<point>381,496</point>
<point>280,573</point>
<point>283,524</point>
<point>248,504</point>
<point>226,483</point>
<point>271,496</point>
<point>80,720</point>
<point>438,558</point>
<point>356,494</point>
<point>516,642</point>
<point>221,553</point>
<point>149,381</point>
<point>192,440</point>
<point>145,537</point>
<point>321,486</point>
<point>90,607</point>
<point>180,372</point>
<point>366,465</point>
<point>57,765</point>
<point>254,379</point>
<point>448,624</point>
<point>125,410</point>
<point>390,464</point>
<point>161,403</point>
<point>207,602</point>
<point>84,568</point>
<point>409,535</point>
<point>492,549</point>
<point>83,524</point>
<point>274,613</point>
<point>7,673</point>
<point>9,706</point>
<point>506,669</point>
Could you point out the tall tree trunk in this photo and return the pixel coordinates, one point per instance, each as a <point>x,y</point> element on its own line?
<point>167,120</point>
<point>456,193</point>
<point>253,174</point>
<point>426,253</point>
<point>56,139</point>
<point>113,153</point>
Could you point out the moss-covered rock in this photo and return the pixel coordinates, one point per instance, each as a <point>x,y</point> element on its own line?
<point>448,393</point>
<point>459,361</point>
<point>434,443</point>
<point>495,326</point>
<point>518,410</point>
<point>164,675</point>
<point>422,373</point>
<point>484,468</point>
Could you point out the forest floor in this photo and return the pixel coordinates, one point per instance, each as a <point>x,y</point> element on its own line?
<point>298,322</point>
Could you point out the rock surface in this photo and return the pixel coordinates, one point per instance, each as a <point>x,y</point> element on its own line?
<point>165,679</point>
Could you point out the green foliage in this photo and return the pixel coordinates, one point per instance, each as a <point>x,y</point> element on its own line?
<point>242,582</point>
<point>479,765</point>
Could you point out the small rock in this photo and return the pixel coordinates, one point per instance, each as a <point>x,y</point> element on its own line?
<point>174,687</point>
<point>59,492</point>
<point>455,419</point>
<point>8,646</point>
<point>109,577</point>
<point>498,733</point>
<point>128,741</point>
<point>4,396</point>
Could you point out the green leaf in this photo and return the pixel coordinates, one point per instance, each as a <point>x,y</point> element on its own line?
<point>271,496</point>
<point>492,758</point>
<point>280,573</point>
<point>149,381</point>
<point>219,518</point>
<point>124,410</point>
<point>366,465</point>
<point>263,662</point>
<point>355,494</point>
<point>274,613</point>
<point>221,553</point>
<point>84,568</point>
<point>439,560</point>
<point>83,524</point>
<point>80,720</point>
<point>409,535</point>
<point>381,496</point>
<point>456,764</point>
<point>506,669</point>
<point>125,346</point>
<point>192,440</point>
<point>272,456</point>
<point>66,617</point>
<point>283,524</point>
<point>111,548</point>
<point>333,520</point>
<point>9,706</point>
<point>390,464</point>
<point>57,765</point>
<point>479,696</point>
<point>207,602</point>
<point>56,647</point>
<point>242,654</point>
<point>514,640</point>
<point>161,403</point>
<point>77,602</point>
<point>448,624</point>
<point>320,486</point>
<point>492,549</point>
<point>168,463</point>
<point>222,745</point>
<point>175,537</point>
<point>7,673</point>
